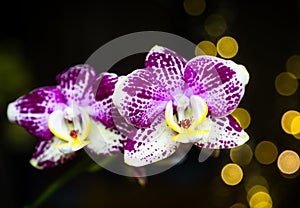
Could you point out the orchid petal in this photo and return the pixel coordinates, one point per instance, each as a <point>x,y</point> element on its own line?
<point>48,155</point>
<point>77,84</point>
<point>146,146</point>
<point>225,133</point>
<point>105,141</point>
<point>31,111</point>
<point>199,110</point>
<point>103,106</point>
<point>221,83</point>
<point>143,95</point>
<point>164,58</point>
<point>170,118</point>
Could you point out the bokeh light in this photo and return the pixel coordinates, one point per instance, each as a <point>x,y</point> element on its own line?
<point>206,48</point>
<point>227,47</point>
<point>266,152</point>
<point>194,7</point>
<point>215,25</point>
<point>261,199</point>
<point>253,180</point>
<point>293,65</point>
<point>286,83</point>
<point>288,162</point>
<point>255,189</point>
<point>238,205</point>
<point>295,125</point>
<point>241,155</point>
<point>286,120</point>
<point>242,116</point>
<point>232,174</point>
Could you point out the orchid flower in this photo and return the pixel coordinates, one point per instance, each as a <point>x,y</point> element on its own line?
<point>191,100</point>
<point>67,117</point>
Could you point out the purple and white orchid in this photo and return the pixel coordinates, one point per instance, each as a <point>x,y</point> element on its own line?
<point>68,117</point>
<point>180,102</point>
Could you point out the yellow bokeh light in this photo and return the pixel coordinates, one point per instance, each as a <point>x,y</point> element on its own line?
<point>266,152</point>
<point>215,25</point>
<point>288,162</point>
<point>286,120</point>
<point>253,180</point>
<point>295,125</point>
<point>238,205</point>
<point>293,65</point>
<point>206,48</point>
<point>260,199</point>
<point>255,189</point>
<point>227,47</point>
<point>242,116</point>
<point>232,174</point>
<point>241,155</point>
<point>286,83</point>
<point>194,7</point>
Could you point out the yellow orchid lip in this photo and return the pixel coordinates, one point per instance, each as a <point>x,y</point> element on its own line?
<point>72,129</point>
<point>187,126</point>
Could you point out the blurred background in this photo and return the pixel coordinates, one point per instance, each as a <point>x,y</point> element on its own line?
<point>39,40</point>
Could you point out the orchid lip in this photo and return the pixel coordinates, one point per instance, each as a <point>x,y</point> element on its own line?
<point>191,112</point>
<point>72,126</point>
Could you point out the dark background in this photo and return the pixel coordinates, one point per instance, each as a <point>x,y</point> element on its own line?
<point>39,40</point>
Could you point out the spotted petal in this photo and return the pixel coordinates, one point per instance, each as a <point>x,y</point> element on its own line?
<point>143,94</point>
<point>221,83</point>
<point>103,106</point>
<point>225,133</point>
<point>31,111</point>
<point>47,155</point>
<point>150,145</point>
<point>77,84</point>
<point>164,58</point>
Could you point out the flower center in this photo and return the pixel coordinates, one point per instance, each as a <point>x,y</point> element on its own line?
<point>71,126</point>
<point>191,112</point>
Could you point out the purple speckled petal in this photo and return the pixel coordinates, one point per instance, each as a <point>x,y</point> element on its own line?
<point>105,141</point>
<point>105,85</point>
<point>164,58</point>
<point>143,94</point>
<point>31,111</point>
<point>225,133</point>
<point>77,84</point>
<point>146,146</point>
<point>47,155</point>
<point>221,83</point>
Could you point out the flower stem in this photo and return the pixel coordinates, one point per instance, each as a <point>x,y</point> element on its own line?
<point>85,165</point>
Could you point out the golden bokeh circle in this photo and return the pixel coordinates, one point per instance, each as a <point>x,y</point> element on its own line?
<point>238,205</point>
<point>293,65</point>
<point>266,152</point>
<point>206,48</point>
<point>295,125</point>
<point>255,189</point>
<point>287,119</point>
<point>253,180</point>
<point>260,199</point>
<point>215,25</point>
<point>286,83</point>
<point>242,116</point>
<point>232,174</point>
<point>194,7</point>
<point>288,162</point>
<point>241,155</point>
<point>227,47</point>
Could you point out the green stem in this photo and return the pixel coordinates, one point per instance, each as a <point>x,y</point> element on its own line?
<point>86,164</point>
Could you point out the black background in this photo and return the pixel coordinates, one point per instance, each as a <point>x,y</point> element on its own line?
<point>53,36</point>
